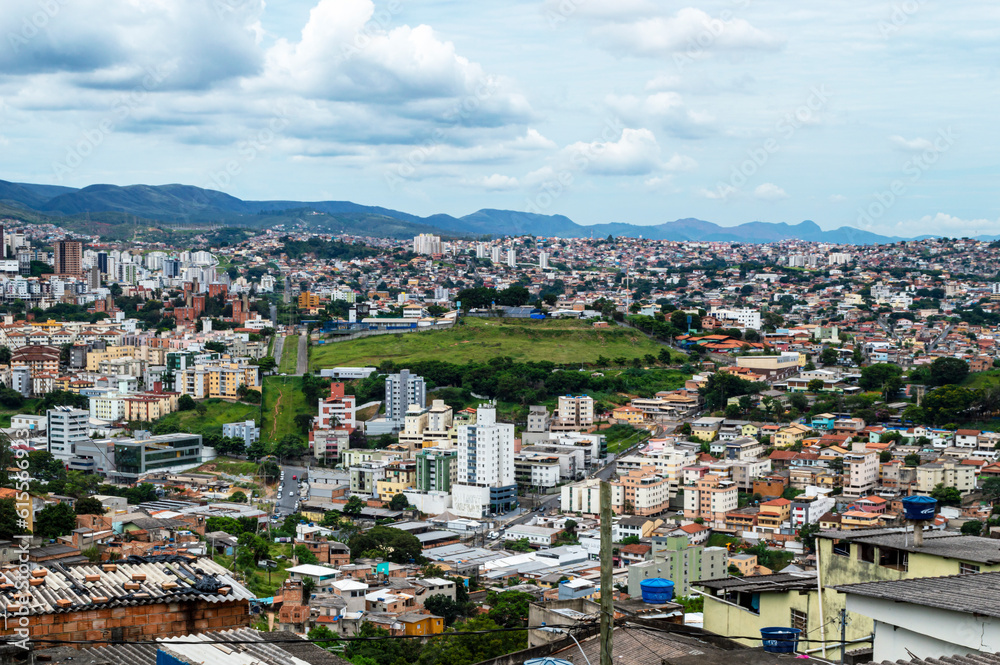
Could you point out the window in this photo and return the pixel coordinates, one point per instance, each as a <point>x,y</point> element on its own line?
<point>895,559</point>
<point>800,620</point>
<point>967,568</point>
<point>842,547</point>
<point>866,552</point>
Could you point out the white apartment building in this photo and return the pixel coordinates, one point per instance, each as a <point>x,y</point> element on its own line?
<point>402,390</point>
<point>66,427</point>
<point>574,413</point>
<point>484,469</point>
<point>109,407</point>
<point>511,258</point>
<point>543,260</point>
<point>246,431</point>
<point>860,474</point>
<point>425,243</point>
<point>338,409</point>
<point>669,464</point>
<point>743,318</point>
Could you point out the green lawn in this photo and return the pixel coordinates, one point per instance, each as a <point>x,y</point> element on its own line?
<point>622,437</point>
<point>560,341</point>
<point>217,413</point>
<point>234,467</point>
<point>283,400</point>
<point>289,355</point>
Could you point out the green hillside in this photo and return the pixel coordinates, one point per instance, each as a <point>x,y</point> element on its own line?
<point>559,341</point>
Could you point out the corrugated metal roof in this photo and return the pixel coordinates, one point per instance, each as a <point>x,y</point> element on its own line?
<point>71,584</point>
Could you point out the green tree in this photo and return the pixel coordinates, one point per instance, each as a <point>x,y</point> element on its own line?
<point>815,385</point>
<point>251,549</point>
<point>946,371</point>
<point>55,520</point>
<point>991,488</point>
<point>399,502</point>
<point>238,497</point>
<point>354,505</point>
<point>972,528</point>
<point>304,554</point>
<point>89,506</point>
<point>328,637</point>
<point>388,543</point>
<point>520,545</point>
<point>874,377</point>
<point>631,540</point>
<point>946,496</point>
<point>509,608</point>
<point>913,459</point>
<point>829,356</point>
<point>807,535</point>
<point>185,403</point>
<point>444,607</point>
<point>9,520</point>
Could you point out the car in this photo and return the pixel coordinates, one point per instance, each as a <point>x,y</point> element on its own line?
<point>295,477</point>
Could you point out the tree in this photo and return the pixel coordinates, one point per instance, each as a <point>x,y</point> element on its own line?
<point>991,488</point>
<point>9,520</point>
<point>885,456</point>
<point>354,505</point>
<point>913,459</point>
<point>631,540</point>
<point>509,608</point>
<point>947,371</point>
<point>308,584</point>
<point>946,496</point>
<point>949,403</point>
<point>391,544</point>
<point>807,535</point>
<point>399,502</point>
<point>54,521</point>
<point>444,607</point>
<point>520,545</point>
<point>185,403</point>
<point>251,549</point>
<point>304,554</point>
<point>829,356</point>
<point>799,402</point>
<point>238,497</point>
<point>874,377</point>
<point>972,528</point>
<point>330,638</point>
<point>89,506</point>
<point>815,386</point>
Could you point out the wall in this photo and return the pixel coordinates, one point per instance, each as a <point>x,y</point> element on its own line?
<point>140,622</point>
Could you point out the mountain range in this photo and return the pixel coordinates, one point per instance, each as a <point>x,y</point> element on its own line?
<point>187,204</point>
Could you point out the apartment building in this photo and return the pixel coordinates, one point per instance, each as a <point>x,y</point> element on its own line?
<point>860,474</point>
<point>435,470</point>
<point>246,431</point>
<point>710,498</point>
<point>217,380</point>
<point>338,409</point>
<point>675,559</point>
<point>64,428</point>
<point>950,474</point>
<point>485,465</point>
<point>574,413</point>
<point>401,391</point>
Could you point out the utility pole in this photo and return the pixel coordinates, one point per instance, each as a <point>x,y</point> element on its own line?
<point>607,584</point>
<point>843,634</point>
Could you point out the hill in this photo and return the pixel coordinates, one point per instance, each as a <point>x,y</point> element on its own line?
<point>184,204</point>
<point>562,342</point>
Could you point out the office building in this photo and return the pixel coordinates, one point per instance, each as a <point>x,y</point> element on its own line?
<point>68,257</point>
<point>66,427</point>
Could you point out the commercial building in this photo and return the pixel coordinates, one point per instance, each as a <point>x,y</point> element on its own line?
<point>65,427</point>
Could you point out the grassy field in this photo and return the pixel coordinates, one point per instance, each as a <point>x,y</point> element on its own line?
<point>289,355</point>
<point>560,341</point>
<point>982,379</point>
<point>235,467</point>
<point>217,413</point>
<point>283,400</point>
<point>622,437</point>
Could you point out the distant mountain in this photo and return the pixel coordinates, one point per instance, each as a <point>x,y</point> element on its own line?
<point>184,203</point>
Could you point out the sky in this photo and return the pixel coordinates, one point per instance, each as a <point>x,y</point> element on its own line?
<point>877,115</point>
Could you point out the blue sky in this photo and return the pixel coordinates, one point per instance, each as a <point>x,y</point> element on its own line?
<point>880,115</point>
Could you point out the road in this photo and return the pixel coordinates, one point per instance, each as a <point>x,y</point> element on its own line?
<point>940,338</point>
<point>290,489</point>
<point>302,362</point>
<point>279,346</point>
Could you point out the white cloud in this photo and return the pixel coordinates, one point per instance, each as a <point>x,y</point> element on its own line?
<point>691,31</point>
<point>345,55</point>
<point>770,192</point>
<point>914,145</point>
<point>944,224</point>
<point>495,182</point>
<point>635,153</point>
<point>115,43</point>
<point>667,110</point>
<point>837,198</point>
<point>710,194</point>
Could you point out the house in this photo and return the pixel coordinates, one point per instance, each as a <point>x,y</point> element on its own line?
<point>706,429</point>
<point>421,624</point>
<point>789,436</point>
<point>931,617</point>
<point>824,421</point>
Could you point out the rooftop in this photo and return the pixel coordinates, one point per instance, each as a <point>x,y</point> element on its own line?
<point>970,594</point>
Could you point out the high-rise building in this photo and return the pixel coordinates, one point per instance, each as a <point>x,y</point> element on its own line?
<point>94,278</point>
<point>65,428</point>
<point>480,250</point>
<point>402,390</point>
<point>495,254</point>
<point>484,480</point>
<point>68,257</point>
<point>171,267</point>
<point>102,262</point>
<point>511,258</point>
<point>434,469</point>
<point>543,260</point>
<point>425,243</point>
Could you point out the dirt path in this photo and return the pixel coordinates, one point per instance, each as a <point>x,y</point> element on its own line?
<point>277,406</point>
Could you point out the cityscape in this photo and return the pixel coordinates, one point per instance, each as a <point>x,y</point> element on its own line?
<point>629,410</point>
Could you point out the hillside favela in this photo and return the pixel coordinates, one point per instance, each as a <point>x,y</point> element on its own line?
<point>561,332</point>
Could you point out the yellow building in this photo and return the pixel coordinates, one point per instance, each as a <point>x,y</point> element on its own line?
<point>421,624</point>
<point>95,358</point>
<point>308,300</point>
<point>629,414</point>
<point>741,607</point>
<point>789,436</point>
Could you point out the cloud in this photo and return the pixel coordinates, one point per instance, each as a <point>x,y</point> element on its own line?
<point>710,194</point>
<point>344,54</point>
<point>769,192</point>
<point>837,198</point>
<point>944,224</point>
<point>635,153</point>
<point>691,31</point>
<point>495,182</point>
<point>665,109</point>
<point>914,145</point>
<point>113,44</point>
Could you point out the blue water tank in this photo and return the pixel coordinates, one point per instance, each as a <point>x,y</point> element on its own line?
<point>920,508</point>
<point>780,640</point>
<point>657,590</point>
